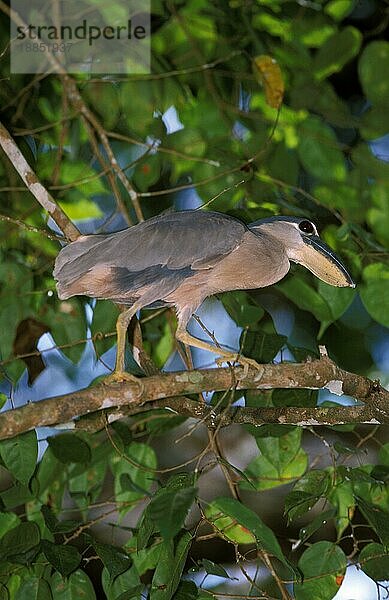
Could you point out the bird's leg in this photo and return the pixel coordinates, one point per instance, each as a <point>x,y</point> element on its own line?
<point>120,373</point>
<point>225,355</point>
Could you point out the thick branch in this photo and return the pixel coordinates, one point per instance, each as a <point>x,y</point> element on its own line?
<point>119,400</point>
<point>33,184</point>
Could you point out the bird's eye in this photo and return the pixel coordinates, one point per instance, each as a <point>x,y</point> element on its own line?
<point>306,227</point>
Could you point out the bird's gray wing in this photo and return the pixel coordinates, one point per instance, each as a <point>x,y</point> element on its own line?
<point>177,240</point>
<point>168,247</point>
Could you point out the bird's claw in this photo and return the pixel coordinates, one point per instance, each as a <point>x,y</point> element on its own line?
<point>246,363</point>
<point>123,376</point>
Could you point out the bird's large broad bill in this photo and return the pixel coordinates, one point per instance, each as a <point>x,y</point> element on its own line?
<point>323,262</point>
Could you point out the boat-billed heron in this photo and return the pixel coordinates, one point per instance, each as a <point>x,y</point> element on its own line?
<point>179,259</point>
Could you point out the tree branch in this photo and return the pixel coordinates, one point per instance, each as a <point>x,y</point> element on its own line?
<point>77,101</point>
<point>33,184</point>
<point>166,390</point>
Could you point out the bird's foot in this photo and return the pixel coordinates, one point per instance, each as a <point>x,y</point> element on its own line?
<point>246,363</point>
<point>123,376</point>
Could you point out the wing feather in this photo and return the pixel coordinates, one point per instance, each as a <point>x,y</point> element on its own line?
<point>184,241</point>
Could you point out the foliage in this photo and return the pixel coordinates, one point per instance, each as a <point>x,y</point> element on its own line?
<point>281,104</point>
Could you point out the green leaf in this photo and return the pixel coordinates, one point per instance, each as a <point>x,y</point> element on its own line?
<point>64,559</point>
<point>133,593</point>
<point>368,165</point>
<point>56,526</point>
<point>164,347</point>
<point>19,541</point>
<point>338,299</point>
<point>105,100</point>
<point>357,474</point>
<point>20,454</point>
<point>86,487</point>
<point>227,526</point>
<point>306,492</point>
<point>305,297</point>
<point>149,525</point>
<point>246,519</point>
<point>187,590</point>
<point>380,473</point>
<point>319,151</point>
<point>83,208</point>
<point>145,531</point>
<point>316,524</point>
<point>294,397</point>
<point>127,485</point>
<point>13,585</point>
<point>170,508</point>
<point>114,559</point>
<point>383,455</point>
<point>280,450</point>
<point>76,587</point>
<point>342,498</point>
<point>126,586</point>
<point>16,302</point>
<point>214,569</point>
<point>49,517</point>
<point>139,462</point>
<point>339,9</point>
<point>105,315</point>
<point>190,141</point>
<point>180,481</point>
<point>146,559</point>
<point>343,197</point>
<point>67,325</point>
<point>7,521</point>
<point>298,503</point>
<point>338,50</point>
<point>320,564</point>
<point>283,164</point>
<point>374,122</point>
<point>273,25</point>
<point>373,71</point>
<point>16,495</point>
<point>70,448</point>
<point>313,32</point>
<point>375,292</point>
<point>3,399</point>
<point>374,560</point>
<point>241,308</point>
<point>321,98</point>
<point>261,346</point>
<point>50,480</point>
<point>281,461</point>
<point>378,519</point>
<point>341,448</point>
<point>270,430</point>
<point>147,172</point>
<point>378,214</point>
<point>34,588</point>
<point>172,560</point>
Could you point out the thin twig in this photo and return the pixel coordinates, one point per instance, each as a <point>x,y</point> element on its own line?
<point>35,187</point>
<point>31,228</point>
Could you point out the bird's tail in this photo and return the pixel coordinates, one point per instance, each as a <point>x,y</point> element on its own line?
<point>73,264</point>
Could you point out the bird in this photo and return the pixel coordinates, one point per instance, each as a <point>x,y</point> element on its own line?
<point>177,259</point>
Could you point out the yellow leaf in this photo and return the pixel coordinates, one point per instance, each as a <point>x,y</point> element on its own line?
<point>269,75</point>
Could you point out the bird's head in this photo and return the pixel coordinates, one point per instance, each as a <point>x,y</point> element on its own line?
<point>304,246</point>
